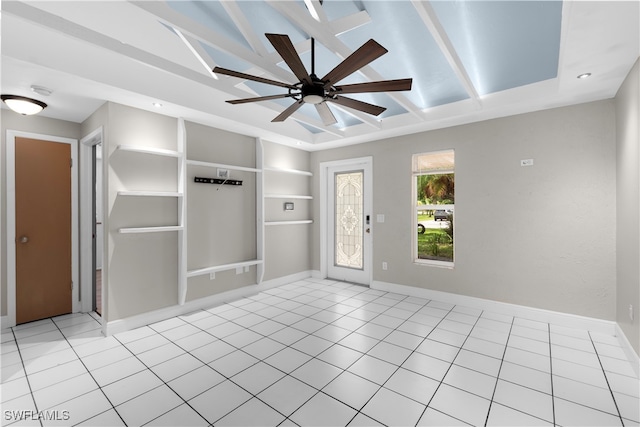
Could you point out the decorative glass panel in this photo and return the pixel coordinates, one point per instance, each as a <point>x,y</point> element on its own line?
<point>349,224</point>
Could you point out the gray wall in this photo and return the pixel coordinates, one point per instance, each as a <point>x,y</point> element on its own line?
<point>34,124</point>
<point>540,236</point>
<point>221,220</point>
<point>287,247</point>
<point>142,269</point>
<point>628,206</point>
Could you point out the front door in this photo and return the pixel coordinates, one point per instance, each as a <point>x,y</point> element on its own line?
<point>349,222</point>
<point>43,229</point>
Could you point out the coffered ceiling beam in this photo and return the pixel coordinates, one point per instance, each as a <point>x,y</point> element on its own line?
<point>431,21</point>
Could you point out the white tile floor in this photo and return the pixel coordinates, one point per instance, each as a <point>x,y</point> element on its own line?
<point>317,353</point>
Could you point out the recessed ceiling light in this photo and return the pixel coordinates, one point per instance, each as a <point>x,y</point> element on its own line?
<point>157,105</point>
<point>584,76</point>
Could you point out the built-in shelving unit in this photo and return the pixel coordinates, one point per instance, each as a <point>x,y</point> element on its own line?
<point>304,221</point>
<point>287,196</point>
<point>149,150</point>
<point>300,173</point>
<point>179,195</point>
<point>224,267</point>
<point>159,229</point>
<point>222,166</point>
<point>290,171</point>
<point>150,193</point>
<point>137,193</point>
<point>258,262</point>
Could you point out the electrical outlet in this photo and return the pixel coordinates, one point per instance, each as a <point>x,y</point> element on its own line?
<point>239,270</point>
<point>212,276</point>
<point>384,265</point>
<point>526,162</point>
<point>631,311</point>
<point>223,173</point>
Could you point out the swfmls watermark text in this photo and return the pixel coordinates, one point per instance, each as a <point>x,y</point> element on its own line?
<point>22,415</point>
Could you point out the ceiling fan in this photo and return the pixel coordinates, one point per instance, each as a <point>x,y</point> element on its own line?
<point>318,91</point>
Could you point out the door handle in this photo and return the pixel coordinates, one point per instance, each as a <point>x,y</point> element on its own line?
<point>24,239</point>
<point>368,230</point>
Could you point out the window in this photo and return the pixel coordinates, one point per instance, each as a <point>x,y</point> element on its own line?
<point>434,203</point>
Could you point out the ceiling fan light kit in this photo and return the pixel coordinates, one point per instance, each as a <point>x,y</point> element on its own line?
<point>318,91</point>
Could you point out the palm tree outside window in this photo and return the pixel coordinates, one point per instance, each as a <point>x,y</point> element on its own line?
<point>434,201</point>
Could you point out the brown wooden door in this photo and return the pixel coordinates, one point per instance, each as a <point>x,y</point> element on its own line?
<point>43,229</point>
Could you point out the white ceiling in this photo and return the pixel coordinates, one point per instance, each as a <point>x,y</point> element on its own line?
<point>469,60</point>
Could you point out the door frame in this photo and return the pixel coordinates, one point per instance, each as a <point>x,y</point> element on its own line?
<point>11,219</point>
<point>365,163</point>
<point>87,270</point>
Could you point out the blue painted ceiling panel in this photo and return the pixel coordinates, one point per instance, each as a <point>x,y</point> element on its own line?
<point>397,27</point>
<point>504,44</point>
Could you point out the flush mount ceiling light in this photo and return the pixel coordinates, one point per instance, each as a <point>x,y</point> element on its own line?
<point>584,76</point>
<point>23,105</point>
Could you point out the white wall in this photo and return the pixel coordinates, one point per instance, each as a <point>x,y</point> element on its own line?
<point>541,236</point>
<point>628,206</point>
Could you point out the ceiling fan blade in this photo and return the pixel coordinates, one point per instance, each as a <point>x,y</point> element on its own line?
<point>289,111</point>
<point>325,114</point>
<point>365,54</point>
<point>225,71</point>
<point>259,98</point>
<point>282,44</point>
<point>381,86</point>
<point>358,105</point>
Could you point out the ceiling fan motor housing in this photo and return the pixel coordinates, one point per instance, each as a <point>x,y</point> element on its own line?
<point>313,93</point>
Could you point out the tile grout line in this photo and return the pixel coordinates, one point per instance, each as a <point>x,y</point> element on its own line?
<point>92,377</point>
<point>606,378</point>
<point>450,364</point>
<point>161,380</point>
<point>495,387</point>
<point>26,376</point>
<point>553,398</point>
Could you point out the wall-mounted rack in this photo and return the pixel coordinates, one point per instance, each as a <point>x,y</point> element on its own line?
<point>218,181</point>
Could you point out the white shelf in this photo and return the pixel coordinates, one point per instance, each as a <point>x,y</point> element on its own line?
<point>221,165</point>
<point>149,150</point>
<point>160,229</point>
<point>291,171</point>
<point>150,193</point>
<point>304,221</point>
<point>287,196</point>
<point>223,267</point>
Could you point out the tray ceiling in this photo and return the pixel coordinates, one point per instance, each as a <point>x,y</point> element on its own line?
<point>469,60</point>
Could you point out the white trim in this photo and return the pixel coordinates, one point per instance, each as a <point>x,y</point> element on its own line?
<point>628,350</point>
<point>531,313</point>
<point>122,325</point>
<point>4,322</point>
<point>367,162</point>
<point>86,220</point>
<point>11,218</point>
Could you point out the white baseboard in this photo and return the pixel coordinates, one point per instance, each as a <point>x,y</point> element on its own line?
<point>5,322</point>
<point>628,350</point>
<point>133,322</point>
<point>547,316</point>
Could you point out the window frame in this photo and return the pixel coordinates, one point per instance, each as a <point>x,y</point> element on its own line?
<point>417,208</point>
